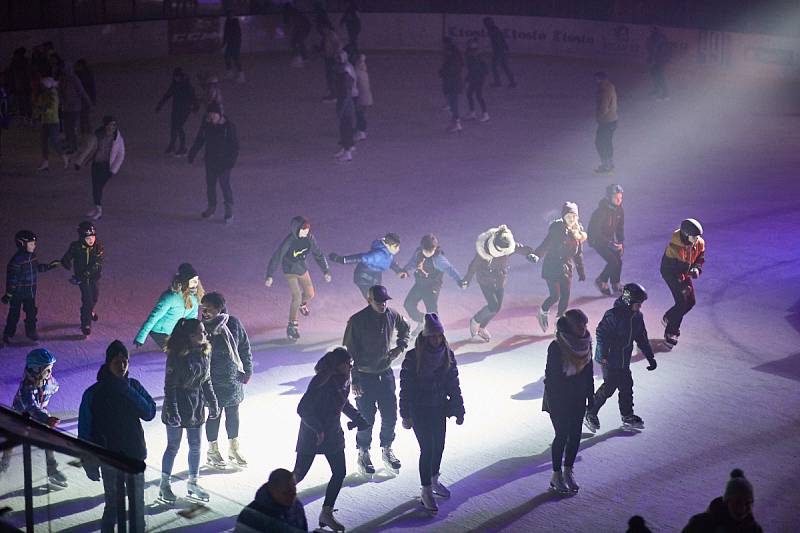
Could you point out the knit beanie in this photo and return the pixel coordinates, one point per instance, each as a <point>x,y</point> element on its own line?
<point>432,325</point>
<point>738,485</point>
<point>185,272</point>
<point>114,349</point>
<point>569,207</point>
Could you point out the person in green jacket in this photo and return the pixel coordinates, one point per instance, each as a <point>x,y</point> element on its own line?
<point>46,112</point>
<point>181,300</point>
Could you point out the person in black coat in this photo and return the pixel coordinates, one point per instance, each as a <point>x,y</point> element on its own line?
<point>184,101</point>
<point>320,411</point>
<point>476,78</point>
<point>110,416</point>
<point>568,390</point>
<point>218,135</point>
<point>452,81</point>
<point>291,255</point>
<point>231,369</point>
<point>275,509</point>
<point>352,24</point>
<point>499,53</point>
<point>729,513</point>
<point>429,394</point>
<point>299,28</point>
<point>606,233</point>
<point>86,257</point>
<point>620,327</point>
<point>232,42</point>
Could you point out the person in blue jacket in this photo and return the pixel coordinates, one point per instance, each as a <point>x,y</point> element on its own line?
<point>181,300</point>
<point>110,416</point>
<point>371,265</point>
<point>620,327</point>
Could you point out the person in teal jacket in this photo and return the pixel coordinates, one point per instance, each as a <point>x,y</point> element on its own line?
<point>181,300</point>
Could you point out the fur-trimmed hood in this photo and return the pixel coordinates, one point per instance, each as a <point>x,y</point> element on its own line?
<point>486,247</point>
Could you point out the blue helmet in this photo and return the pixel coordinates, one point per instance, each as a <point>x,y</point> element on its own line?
<point>39,357</point>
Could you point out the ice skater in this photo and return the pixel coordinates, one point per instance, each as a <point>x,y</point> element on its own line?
<point>430,393</point>
<point>188,396</point>
<point>367,338</point>
<point>352,24</point>
<point>320,411</point>
<point>364,99</point>
<point>659,53</point>
<point>232,43</point>
<point>606,234</point>
<point>452,80</point>
<point>218,135</point>
<point>106,151</point>
<point>681,263</point>
<point>86,257</point>
<point>562,251</point>
<point>476,79</point>
<point>493,248</point>
<point>331,47</point>
<point>184,102</point>
<point>45,111</point>
<point>299,28</point>
<point>291,255</point>
<point>346,91</point>
<point>499,53</point>
<point>621,326</point>
<point>22,279</point>
<point>429,265</point>
<point>371,265</point>
<point>231,369</point>
<point>568,391</point>
<point>606,116</point>
<point>73,96</point>
<point>181,300</point>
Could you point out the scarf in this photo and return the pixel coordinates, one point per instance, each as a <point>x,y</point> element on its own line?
<point>219,326</point>
<point>429,360</point>
<point>576,352</point>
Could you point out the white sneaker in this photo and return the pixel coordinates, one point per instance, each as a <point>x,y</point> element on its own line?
<point>428,501</point>
<point>484,117</point>
<point>360,135</point>
<point>44,166</point>
<point>484,334</point>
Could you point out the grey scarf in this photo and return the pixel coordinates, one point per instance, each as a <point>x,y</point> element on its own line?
<point>576,352</point>
<point>219,326</point>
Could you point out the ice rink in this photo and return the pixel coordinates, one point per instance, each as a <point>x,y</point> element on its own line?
<point>722,150</point>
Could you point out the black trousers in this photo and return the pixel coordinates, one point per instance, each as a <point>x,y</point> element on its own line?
<point>90,292</point>
<point>430,427</point>
<point>101,174</point>
<point>494,301</point>
<point>475,89</point>
<point>613,269</point>
<point>14,307</point>
<point>69,122</point>
<point>567,440</point>
<point>232,57</point>
<point>346,118</point>
<point>615,379</point>
<point>377,395</point>
<point>223,176</point>
<point>338,473</point>
<point>177,132</point>
<point>603,141</point>
<point>422,292</point>
<point>500,60</point>
<point>231,424</point>
<point>559,292</point>
<point>683,294</point>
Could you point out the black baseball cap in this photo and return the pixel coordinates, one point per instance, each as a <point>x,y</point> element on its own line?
<point>379,293</point>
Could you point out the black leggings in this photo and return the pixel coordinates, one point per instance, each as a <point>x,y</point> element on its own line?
<point>101,174</point>
<point>231,424</point>
<point>567,439</point>
<point>475,89</point>
<point>683,294</point>
<point>430,428</point>
<point>494,301</point>
<point>559,292</point>
<point>177,132</point>
<point>90,292</point>
<point>338,472</point>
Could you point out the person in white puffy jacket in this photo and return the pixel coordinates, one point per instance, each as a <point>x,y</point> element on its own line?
<point>106,151</point>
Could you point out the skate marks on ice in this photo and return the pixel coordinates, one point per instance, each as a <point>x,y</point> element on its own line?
<point>508,344</point>
<point>352,480</point>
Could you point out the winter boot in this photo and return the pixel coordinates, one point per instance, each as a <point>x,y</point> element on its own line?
<point>209,211</point>
<point>392,463</point>
<point>326,519</point>
<point>428,501</point>
<point>304,310</point>
<point>196,491</point>
<point>292,332</point>
<point>56,478</point>
<point>474,326</point>
<point>228,213</point>
<point>365,465</point>
<point>484,334</point>
<point>591,422</point>
<point>98,212</point>
<point>602,286</point>
<point>213,457</point>
<point>455,126</point>
<point>557,483</point>
<point>234,454</point>
<point>438,488</point>
<point>44,166</point>
<point>569,479</point>
<point>165,493</point>
<point>632,422</point>
<point>484,117</point>
<point>542,317</point>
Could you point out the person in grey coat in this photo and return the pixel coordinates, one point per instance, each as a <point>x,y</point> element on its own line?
<point>231,369</point>
<point>73,97</point>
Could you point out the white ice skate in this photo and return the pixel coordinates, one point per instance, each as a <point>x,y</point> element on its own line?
<point>484,117</point>
<point>365,466</point>
<point>57,479</point>
<point>391,462</point>
<point>428,501</point>
<point>214,458</point>
<point>235,455</point>
<point>557,483</point>
<point>165,494</point>
<point>326,520</point>
<point>473,327</point>
<point>543,322</point>
<point>196,491</point>
<point>454,126</point>
<point>417,330</point>
<point>360,136</point>
<point>484,334</point>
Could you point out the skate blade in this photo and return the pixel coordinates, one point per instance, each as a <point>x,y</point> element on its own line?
<point>554,490</point>
<point>632,429</point>
<point>196,498</point>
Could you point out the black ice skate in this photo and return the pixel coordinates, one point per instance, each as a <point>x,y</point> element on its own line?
<point>292,332</point>
<point>365,466</point>
<point>591,422</point>
<point>632,422</point>
<point>86,330</point>
<point>670,340</point>
<point>304,310</point>
<point>602,287</point>
<point>428,501</point>
<point>327,522</point>
<point>391,462</point>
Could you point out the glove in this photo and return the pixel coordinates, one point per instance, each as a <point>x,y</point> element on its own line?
<point>408,423</point>
<point>463,284</point>
<point>268,282</point>
<point>653,365</point>
<point>459,420</point>
<point>53,264</point>
<point>336,258</point>
<point>214,411</point>
<point>92,471</point>
<point>327,277</point>
<point>694,272</point>
<point>6,299</point>
<point>395,352</point>
<point>75,280</point>
<point>355,388</point>
<point>533,258</point>
<point>360,423</point>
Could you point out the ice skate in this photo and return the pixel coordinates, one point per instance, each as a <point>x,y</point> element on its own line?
<point>214,459</point>
<point>365,466</point>
<point>86,330</point>
<point>391,462</point>
<point>569,480</point>
<point>292,332</point>
<point>304,310</point>
<point>234,453</point>
<point>604,169</point>
<point>428,501</point>
<point>57,479</point>
<point>616,288</point>
<point>632,422</point>
<point>165,494</point>
<point>91,213</point>
<point>473,327</point>
<point>208,212</point>
<point>591,422</point>
<point>557,483</point>
<point>95,317</point>
<point>484,334</point>
<point>44,166</point>
<point>181,152</point>
<point>228,214</point>
<point>454,126</point>
<point>32,335</point>
<point>360,136</point>
<point>602,286</point>
<point>670,340</point>
<point>346,156</point>
<point>98,213</point>
<point>543,322</point>
<point>437,487</point>
<point>196,491</point>
<point>484,117</point>
<point>417,330</point>
<point>326,520</point>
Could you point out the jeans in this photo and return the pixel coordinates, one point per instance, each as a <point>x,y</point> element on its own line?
<point>174,437</point>
<point>377,394</point>
<point>223,176</point>
<point>232,58</point>
<point>14,307</point>
<point>425,292</point>
<point>613,268</point>
<point>302,292</point>
<point>101,174</point>
<point>613,379</point>
<point>90,292</point>
<point>559,292</point>
<point>567,439</point>
<point>430,426</point>
<point>452,102</point>
<point>603,141</point>
<point>475,89</point>
<point>500,60</point>
<point>49,137</point>
<point>338,473</point>
<point>345,115</point>
<point>231,424</point>
<point>133,484</point>
<point>70,123</point>
<point>683,294</point>
<point>494,301</point>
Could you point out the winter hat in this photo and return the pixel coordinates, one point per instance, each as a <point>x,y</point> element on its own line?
<point>214,107</point>
<point>114,349</point>
<point>38,358</point>
<point>613,189</point>
<point>738,485</point>
<point>495,242</point>
<point>48,82</point>
<point>108,119</point>
<point>569,207</point>
<point>185,272</point>
<point>432,325</point>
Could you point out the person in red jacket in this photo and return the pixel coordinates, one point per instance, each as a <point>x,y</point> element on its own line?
<point>681,263</point>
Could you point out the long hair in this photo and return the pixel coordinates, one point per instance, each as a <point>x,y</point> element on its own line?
<point>179,344</point>
<point>183,288</point>
<point>420,346</point>
<point>326,366</point>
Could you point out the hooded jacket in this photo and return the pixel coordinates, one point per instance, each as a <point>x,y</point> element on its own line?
<point>168,310</point>
<point>560,250</point>
<point>616,333</point>
<point>320,410</point>
<point>188,390</point>
<point>86,260</point>
<point>293,251</point>
<point>607,225</point>
<point>490,263</point>
<point>441,390</point>
<point>221,142</point>
<point>367,337</point>
<point>680,257</point>
<point>232,34</point>
<point>264,514</point>
<point>117,150</point>
<point>451,72</point>
<point>431,270</point>
<point>22,274</point>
